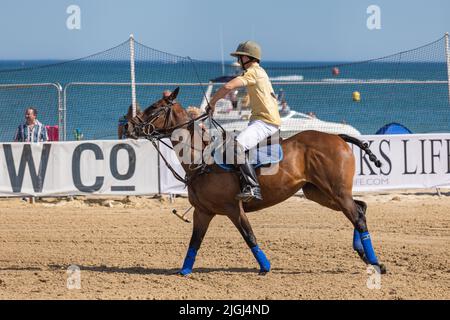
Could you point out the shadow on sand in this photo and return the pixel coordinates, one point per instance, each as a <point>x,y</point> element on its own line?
<point>154,271</point>
<point>168,272</point>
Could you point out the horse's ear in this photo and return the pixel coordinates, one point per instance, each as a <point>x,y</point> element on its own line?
<point>174,94</point>
<point>130,111</point>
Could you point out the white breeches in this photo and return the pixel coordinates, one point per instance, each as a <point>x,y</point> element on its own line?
<point>256,132</point>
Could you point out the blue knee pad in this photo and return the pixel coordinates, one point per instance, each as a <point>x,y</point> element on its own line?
<point>357,245</point>
<point>368,249</point>
<point>264,263</point>
<point>189,261</point>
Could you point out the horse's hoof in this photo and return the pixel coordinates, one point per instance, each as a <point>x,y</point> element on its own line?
<point>263,272</point>
<point>184,273</point>
<point>383,269</point>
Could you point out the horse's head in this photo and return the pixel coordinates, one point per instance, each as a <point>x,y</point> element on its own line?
<point>157,118</point>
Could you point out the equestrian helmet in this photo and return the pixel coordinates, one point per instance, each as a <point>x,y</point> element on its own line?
<point>248,48</point>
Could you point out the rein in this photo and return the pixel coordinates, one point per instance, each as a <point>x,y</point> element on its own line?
<point>152,134</point>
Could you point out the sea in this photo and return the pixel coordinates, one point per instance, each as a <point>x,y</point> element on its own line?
<point>95,93</point>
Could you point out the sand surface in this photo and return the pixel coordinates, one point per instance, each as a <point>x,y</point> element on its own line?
<point>131,248</point>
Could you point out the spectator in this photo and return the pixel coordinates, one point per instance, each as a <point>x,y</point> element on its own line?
<point>123,120</point>
<point>77,134</point>
<point>195,112</point>
<point>245,102</point>
<point>166,94</point>
<point>312,114</point>
<point>285,110</point>
<point>32,130</point>
<point>233,96</point>
<point>281,95</point>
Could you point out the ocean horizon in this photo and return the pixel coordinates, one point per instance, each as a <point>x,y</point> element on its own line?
<point>423,107</point>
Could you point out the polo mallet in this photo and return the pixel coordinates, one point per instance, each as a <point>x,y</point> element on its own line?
<point>182,217</point>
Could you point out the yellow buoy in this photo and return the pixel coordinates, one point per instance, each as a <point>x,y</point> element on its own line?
<point>356,96</point>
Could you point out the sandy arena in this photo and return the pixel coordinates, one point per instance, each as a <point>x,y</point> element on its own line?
<point>131,248</point>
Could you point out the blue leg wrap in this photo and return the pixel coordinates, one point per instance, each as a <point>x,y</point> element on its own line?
<point>368,249</point>
<point>357,245</point>
<point>189,261</point>
<point>264,264</point>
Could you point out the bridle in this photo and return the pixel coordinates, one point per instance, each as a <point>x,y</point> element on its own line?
<point>146,129</point>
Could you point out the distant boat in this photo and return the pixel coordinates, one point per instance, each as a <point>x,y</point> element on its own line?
<point>295,122</point>
<point>292,122</point>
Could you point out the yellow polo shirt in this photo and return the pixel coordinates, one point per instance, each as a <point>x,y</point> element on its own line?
<point>262,98</point>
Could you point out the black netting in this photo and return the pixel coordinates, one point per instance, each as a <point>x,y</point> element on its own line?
<point>409,88</point>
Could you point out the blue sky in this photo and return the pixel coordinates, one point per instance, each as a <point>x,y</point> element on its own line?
<point>304,30</point>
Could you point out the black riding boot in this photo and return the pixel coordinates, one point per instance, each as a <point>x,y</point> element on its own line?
<point>249,183</point>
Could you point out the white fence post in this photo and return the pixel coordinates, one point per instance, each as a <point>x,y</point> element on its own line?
<point>61,114</point>
<point>447,57</point>
<point>133,76</point>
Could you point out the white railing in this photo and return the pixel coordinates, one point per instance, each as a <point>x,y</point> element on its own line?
<point>59,102</point>
<point>207,88</point>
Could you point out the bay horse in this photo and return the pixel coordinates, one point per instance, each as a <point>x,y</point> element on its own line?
<point>320,164</point>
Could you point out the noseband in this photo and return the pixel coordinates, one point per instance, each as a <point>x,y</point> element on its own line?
<point>147,128</point>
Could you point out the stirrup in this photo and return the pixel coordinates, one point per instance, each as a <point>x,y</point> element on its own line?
<point>249,193</point>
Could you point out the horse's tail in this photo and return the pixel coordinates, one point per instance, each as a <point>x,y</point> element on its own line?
<point>364,146</point>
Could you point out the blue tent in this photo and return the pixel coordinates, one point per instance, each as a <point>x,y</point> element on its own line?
<point>393,128</point>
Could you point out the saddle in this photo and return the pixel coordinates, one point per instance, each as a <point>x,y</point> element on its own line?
<point>265,153</point>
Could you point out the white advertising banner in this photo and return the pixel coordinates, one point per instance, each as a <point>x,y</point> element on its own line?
<point>132,167</point>
<point>81,167</point>
<point>169,184</point>
<point>408,162</point>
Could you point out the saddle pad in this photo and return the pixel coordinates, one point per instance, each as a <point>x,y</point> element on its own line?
<point>257,156</point>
